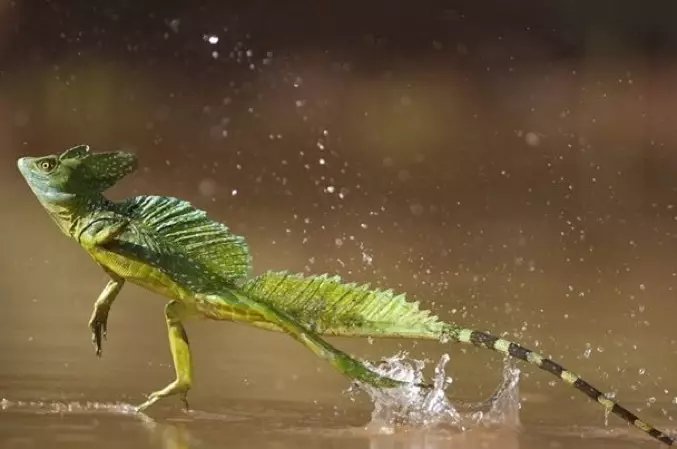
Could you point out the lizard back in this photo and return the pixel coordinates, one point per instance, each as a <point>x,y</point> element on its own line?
<point>172,245</point>
<point>182,227</point>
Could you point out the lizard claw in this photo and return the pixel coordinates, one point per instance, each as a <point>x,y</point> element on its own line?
<point>184,400</point>
<point>98,324</point>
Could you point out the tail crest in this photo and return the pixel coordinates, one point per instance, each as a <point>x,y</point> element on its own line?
<point>327,306</point>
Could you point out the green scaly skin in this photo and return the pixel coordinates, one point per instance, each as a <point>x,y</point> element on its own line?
<point>170,248</point>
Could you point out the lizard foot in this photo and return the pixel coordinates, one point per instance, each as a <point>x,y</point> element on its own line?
<point>358,371</point>
<point>98,324</point>
<point>175,387</point>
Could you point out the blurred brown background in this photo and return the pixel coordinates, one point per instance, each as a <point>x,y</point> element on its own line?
<point>511,165</point>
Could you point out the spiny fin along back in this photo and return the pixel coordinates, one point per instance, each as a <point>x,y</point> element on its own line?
<point>330,307</point>
<point>186,229</point>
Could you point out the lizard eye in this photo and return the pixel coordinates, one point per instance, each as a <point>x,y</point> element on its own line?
<point>47,165</point>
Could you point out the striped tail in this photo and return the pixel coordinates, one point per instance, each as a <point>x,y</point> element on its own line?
<point>485,340</point>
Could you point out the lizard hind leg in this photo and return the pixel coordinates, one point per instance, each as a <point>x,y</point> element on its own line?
<point>341,361</point>
<point>175,311</point>
<point>273,319</point>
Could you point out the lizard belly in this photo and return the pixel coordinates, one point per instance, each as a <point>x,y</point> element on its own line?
<point>141,273</point>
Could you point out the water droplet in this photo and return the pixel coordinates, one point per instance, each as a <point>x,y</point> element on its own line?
<point>403,175</point>
<point>416,209</point>
<point>532,139</point>
<point>174,25</point>
<point>207,187</point>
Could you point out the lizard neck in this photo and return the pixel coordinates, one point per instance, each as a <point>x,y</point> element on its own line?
<point>69,212</point>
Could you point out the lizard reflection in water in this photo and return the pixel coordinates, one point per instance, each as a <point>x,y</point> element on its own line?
<point>170,248</point>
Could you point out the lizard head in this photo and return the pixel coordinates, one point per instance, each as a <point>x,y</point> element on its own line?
<point>76,171</point>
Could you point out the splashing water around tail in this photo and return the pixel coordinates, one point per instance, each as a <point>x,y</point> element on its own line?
<point>412,405</point>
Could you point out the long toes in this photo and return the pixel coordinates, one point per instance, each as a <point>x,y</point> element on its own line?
<point>97,346</point>
<point>170,390</point>
<point>151,400</point>
<point>142,407</point>
<point>186,407</point>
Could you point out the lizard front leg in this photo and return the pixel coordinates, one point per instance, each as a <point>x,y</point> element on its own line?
<point>175,312</point>
<point>96,232</point>
<point>101,230</point>
<point>98,322</point>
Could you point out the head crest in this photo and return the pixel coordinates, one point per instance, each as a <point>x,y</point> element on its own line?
<point>78,151</point>
<point>76,171</point>
<point>96,171</point>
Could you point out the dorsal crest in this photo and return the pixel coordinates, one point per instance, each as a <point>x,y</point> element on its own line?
<point>328,306</point>
<point>178,226</point>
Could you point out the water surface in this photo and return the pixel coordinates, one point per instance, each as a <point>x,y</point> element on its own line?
<point>384,420</point>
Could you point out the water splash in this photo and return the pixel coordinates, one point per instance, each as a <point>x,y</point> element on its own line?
<point>430,407</point>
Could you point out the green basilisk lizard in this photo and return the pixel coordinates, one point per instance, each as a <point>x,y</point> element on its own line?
<point>170,248</point>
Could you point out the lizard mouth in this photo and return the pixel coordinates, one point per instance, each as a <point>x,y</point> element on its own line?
<point>39,182</point>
